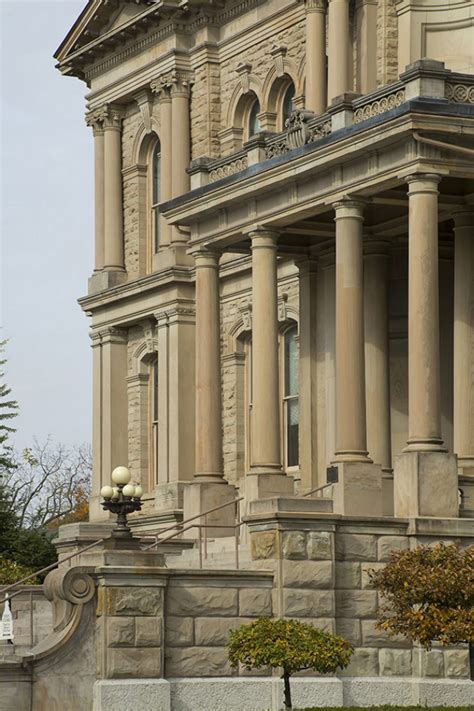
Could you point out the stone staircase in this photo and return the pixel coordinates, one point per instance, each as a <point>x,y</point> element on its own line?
<point>220,554</point>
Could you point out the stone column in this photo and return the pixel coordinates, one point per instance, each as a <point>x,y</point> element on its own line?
<point>359,489</point>
<point>329,276</point>
<point>463,330</point>
<point>266,473</point>
<point>180,142</point>
<point>366,37</point>
<point>162,89</point>
<point>308,376</point>
<point>425,475</point>
<point>339,49</point>
<point>315,88</point>
<point>209,488</point>
<point>94,119</point>
<point>376,261</point>
<point>113,209</point>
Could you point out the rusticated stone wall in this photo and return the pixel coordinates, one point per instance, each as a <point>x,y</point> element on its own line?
<point>321,571</point>
<point>201,609</point>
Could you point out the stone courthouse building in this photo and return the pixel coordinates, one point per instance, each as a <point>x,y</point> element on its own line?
<point>282,316</point>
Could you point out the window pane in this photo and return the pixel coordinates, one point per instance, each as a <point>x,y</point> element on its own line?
<point>291,363</point>
<point>254,123</point>
<point>288,105</point>
<point>293,418</point>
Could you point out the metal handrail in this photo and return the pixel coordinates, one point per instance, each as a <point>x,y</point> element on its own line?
<point>4,590</point>
<point>180,526</point>
<point>319,488</point>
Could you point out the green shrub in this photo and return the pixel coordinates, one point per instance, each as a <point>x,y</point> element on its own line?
<point>289,645</point>
<point>11,572</point>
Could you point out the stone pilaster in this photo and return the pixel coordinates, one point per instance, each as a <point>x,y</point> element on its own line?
<point>113,210</point>
<point>316,83</point>
<point>162,89</point>
<point>95,120</point>
<point>180,140</point>
<point>366,32</point>
<point>425,482</point>
<point>376,261</point>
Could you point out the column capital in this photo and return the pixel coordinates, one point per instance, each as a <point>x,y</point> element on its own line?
<point>206,258</point>
<point>263,237</point>
<point>464,217</point>
<point>315,6</point>
<point>96,118</point>
<point>113,118</point>
<point>171,84</point>
<point>307,264</point>
<point>112,334</point>
<point>423,183</point>
<point>376,248</point>
<point>349,208</point>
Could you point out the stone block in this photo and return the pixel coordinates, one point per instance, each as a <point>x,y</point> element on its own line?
<point>120,631</point>
<point>387,544</point>
<point>130,601</point>
<point>308,603</point>
<point>263,545</point>
<point>364,662</point>
<point>354,546</point>
<point>179,631</point>
<point>143,663</point>
<point>365,577</point>
<point>148,632</point>
<point>356,603</point>
<point>294,545</point>
<point>214,631</point>
<point>319,545</point>
<point>322,623</point>
<point>456,663</point>
<point>348,575</point>
<point>198,601</point>
<point>197,661</point>
<point>136,694</point>
<point>432,662</point>
<point>426,484</point>
<point>395,662</point>
<point>350,629</point>
<point>373,637</point>
<point>255,602</point>
<point>307,574</point>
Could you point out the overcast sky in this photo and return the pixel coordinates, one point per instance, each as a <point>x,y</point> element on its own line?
<point>46,224</point>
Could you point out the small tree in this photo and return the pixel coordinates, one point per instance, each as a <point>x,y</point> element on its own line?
<point>8,410</point>
<point>289,645</point>
<point>428,595</point>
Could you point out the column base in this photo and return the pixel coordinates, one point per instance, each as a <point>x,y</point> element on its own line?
<point>387,492</point>
<point>426,484</point>
<point>358,491</point>
<point>259,485</point>
<point>170,496</point>
<point>202,496</point>
<point>106,279</point>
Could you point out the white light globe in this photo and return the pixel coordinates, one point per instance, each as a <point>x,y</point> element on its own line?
<point>116,494</point>
<point>138,491</point>
<point>128,490</point>
<point>106,492</point>
<point>121,475</point>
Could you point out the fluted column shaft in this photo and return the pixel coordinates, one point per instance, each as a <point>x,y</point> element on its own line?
<point>339,49</point>
<point>424,410</point>
<point>113,212</point>
<point>266,435</point>
<point>209,465</point>
<point>315,88</point>
<point>180,143</point>
<point>463,325</point>
<point>351,434</point>
<point>376,263</point>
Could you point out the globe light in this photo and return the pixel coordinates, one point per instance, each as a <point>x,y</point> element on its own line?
<point>128,490</point>
<point>121,475</point>
<point>116,494</point>
<point>138,491</point>
<point>106,492</point>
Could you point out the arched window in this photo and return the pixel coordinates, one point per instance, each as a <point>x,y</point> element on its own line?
<point>153,421</point>
<point>253,122</point>
<point>288,103</point>
<point>291,415</point>
<point>155,196</point>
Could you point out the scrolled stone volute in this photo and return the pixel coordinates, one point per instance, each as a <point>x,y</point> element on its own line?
<point>74,585</point>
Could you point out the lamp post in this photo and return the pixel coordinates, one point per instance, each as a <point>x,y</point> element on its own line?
<point>122,499</point>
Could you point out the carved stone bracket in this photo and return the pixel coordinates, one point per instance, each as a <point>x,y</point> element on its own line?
<point>279,54</point>
<point>143,100</point>
<point>243,70</point>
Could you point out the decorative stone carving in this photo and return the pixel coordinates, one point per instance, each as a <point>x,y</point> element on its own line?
<point>243,70</point>
<point>315,5</point>
<point>174,83</point>
<point>460,93</point>
<point>245,309</point>
<point>380,106</point>
<point>234,166</point>
<point>297,132</point>
<point>144,104</point>
<point>279,54</point>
